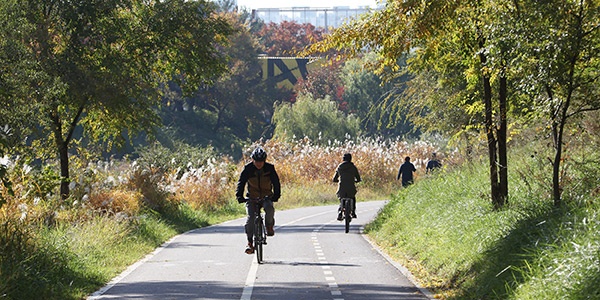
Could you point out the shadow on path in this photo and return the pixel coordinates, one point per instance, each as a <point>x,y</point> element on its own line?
<point>267,291</point>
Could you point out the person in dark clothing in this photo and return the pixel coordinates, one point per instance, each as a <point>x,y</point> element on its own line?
<point>346,174</point>
<point>433,164</point>
<point>406,172</point>
<point>262,180</point>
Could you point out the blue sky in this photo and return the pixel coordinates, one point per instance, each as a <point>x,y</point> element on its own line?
<point>305,3</point>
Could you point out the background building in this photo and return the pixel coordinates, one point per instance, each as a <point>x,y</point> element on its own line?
<point>327,18</point>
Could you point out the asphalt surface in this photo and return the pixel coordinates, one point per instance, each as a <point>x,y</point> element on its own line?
<point>310,257</point>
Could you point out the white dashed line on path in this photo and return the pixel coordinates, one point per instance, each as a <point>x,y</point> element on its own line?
<point>336,293</point>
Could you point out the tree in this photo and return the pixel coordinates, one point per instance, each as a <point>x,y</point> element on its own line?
<point>287,38</point>
<point>98,64</point>
<point>362,87</point>
<point>431,30</point>
<point>366,95</point>
<point>324,81</point>
<point>562,39</point>
<point>426,97</point>
<point>233,96</point>
<point>547,50</point>
<point>318,119</point>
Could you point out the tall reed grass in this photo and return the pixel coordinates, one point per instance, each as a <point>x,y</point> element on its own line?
<point>120,209</point>
<point>304,163</point>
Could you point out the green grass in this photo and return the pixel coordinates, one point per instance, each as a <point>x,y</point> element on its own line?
<point>444,229</point>
<point>72,260</point>
<point>323,193</point>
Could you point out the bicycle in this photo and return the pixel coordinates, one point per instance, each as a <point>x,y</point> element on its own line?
<point>347,212</point>
<point>260,233</point>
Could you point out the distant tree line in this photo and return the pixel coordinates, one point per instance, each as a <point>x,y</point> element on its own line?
<point>108,77</point>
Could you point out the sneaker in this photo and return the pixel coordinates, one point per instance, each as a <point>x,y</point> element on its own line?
<point>353,215</point>
<point>340,217</point>
<point>249,249</point>
<point>270,231</point>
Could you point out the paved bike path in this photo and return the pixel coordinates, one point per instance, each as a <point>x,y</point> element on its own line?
<point>310,257</point>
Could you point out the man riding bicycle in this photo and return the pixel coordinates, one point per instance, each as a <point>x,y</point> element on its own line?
<point>262,180</point>
<point>347,175</point>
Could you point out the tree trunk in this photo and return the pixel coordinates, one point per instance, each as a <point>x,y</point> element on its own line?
<point>63,155</point>
<point>491,139</point>
<point>63,147</point>
<point>556,190</point>
<point>217,126</point>
<point>492,144</point>
<point>502,142</point>
<point>64,171</point>
<point>558,128</point>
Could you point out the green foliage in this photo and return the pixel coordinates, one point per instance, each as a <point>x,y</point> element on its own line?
<point>34,180</point>
<point>196,128</point>
<point>375,100</point>
<point>99,65</point>
<point>492,59</point>
<point>564,263</point>
<point>441,227</point>
<point>235,98</point>
<point>18,114</point>
<point>318,119</point>
<point>5,183</point>
<point>43,181</point>
<point>362,87</point>
<point>460,247</point>
<point>560,68</point>
<point>179,156</point>
<point>235,106</point>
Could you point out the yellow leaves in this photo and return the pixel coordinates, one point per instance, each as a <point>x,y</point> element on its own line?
<point>116,201</point>
<point>474,107</point>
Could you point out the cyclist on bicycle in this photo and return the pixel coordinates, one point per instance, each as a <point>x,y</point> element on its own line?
<point>347,175</point>
<point>262,180</point>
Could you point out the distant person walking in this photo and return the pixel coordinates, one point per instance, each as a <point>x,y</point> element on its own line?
<point>433,164</point>
<point>406,172</point>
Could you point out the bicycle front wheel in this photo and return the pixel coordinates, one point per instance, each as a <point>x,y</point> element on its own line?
<point>259,236</point>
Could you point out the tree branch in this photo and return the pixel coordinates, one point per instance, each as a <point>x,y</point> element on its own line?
<point>74,122</point>
<point>581,110</point>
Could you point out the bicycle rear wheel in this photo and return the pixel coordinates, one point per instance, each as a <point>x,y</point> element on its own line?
<point>259,236</point>
<point>347,213</point>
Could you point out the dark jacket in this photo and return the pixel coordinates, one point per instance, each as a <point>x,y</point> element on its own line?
<point>346,174</point>
<point>432,165</point>
<point>263,182</point>
<point>406,172</point>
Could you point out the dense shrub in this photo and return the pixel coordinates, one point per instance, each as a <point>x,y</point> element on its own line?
<point>318,119</point>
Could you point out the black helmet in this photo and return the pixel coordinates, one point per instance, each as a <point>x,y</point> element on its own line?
<point>259,154</point>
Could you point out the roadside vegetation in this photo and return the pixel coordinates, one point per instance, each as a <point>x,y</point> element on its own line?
<point>121,210</point>
<point>443,228</point>
<point>447,233</point>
